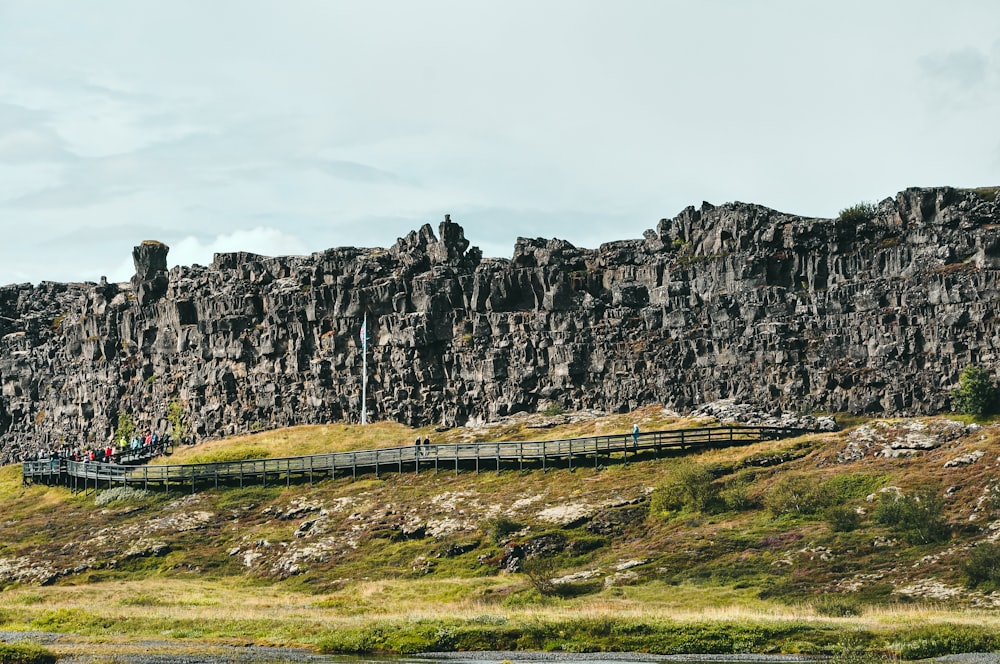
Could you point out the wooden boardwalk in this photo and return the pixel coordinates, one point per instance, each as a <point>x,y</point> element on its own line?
<point>569,453</point>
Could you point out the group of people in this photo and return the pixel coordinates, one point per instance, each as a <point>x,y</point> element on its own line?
<point>148,445</point>
<point>151,439</point>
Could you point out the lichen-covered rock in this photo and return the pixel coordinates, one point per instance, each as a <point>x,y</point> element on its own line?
<point>736,301</point>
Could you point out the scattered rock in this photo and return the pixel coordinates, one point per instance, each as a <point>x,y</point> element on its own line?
<point>965,459</point>
<point>567,515</point>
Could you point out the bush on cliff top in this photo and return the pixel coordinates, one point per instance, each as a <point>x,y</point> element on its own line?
<point>858,213</point>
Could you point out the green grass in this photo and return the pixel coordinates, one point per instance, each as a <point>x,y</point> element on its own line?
<point>405,562</point>
<point>986,193</point>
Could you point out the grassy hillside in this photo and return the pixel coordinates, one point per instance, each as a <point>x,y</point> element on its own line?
<point>879,535</point>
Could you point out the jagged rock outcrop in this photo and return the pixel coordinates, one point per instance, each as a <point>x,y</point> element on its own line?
<point>876,314</point>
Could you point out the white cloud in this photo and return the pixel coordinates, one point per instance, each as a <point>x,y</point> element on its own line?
<point>260,240</point>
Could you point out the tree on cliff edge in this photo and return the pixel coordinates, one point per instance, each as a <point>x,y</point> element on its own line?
<point>976,394</point>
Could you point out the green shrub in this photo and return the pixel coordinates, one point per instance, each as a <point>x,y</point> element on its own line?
<point>688,486</point>
<point>982,567</point>
<point>976,394</point>
<point>797,495</point>
<point>125,431</point>
<point>501,528</point>
<point>855,650</point>
<point>25,653</point>
<point>553,409</point>
<point>837,606</point>
<point>842,518</point>
<point>178,421</point>
<point>736,495</point>
<point>918,517</point>
<point>540,571</point>
<point>857,214</point>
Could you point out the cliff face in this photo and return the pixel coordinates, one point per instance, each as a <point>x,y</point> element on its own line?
<point>873,315</point>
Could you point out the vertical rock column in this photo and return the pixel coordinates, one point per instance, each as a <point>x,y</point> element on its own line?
<point>150,281</point>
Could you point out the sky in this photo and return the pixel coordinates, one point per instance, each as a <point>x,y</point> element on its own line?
<point>292,126</point>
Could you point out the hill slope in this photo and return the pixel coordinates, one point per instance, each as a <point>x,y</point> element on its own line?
<point>777,533</point>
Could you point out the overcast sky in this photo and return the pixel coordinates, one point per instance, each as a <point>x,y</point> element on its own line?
<point>291,126</point>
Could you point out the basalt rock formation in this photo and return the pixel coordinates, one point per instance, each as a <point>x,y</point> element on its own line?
<point>877,311</point>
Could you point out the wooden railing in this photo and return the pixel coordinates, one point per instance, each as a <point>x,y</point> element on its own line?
<point>571,451</point>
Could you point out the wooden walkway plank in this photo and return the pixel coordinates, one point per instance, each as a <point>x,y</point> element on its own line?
<point>571,450</point>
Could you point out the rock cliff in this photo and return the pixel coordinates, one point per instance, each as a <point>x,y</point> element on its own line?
<point>873,312</point>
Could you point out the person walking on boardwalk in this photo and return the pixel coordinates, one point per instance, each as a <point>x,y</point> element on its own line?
<point>635,436</point>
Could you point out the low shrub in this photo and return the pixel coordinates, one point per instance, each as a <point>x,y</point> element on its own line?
<point>842,518</point>
<point>688,486</point>
<point>797,495</point>
<point>982,567</point>
<point>736,495</point>
<point>540,571</point>
<point>837,606</point>
<point>858,213</point>
<point>25,653</point>
<point>120,494</point>
<point>501,528</point>
<point>553,409</point>
<point>857,650</point>
<point>918,517</point>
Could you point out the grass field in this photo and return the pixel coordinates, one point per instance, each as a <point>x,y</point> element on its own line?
<point>744,549</point>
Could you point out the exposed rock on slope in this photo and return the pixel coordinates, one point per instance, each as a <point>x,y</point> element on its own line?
<point>737,301</point>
